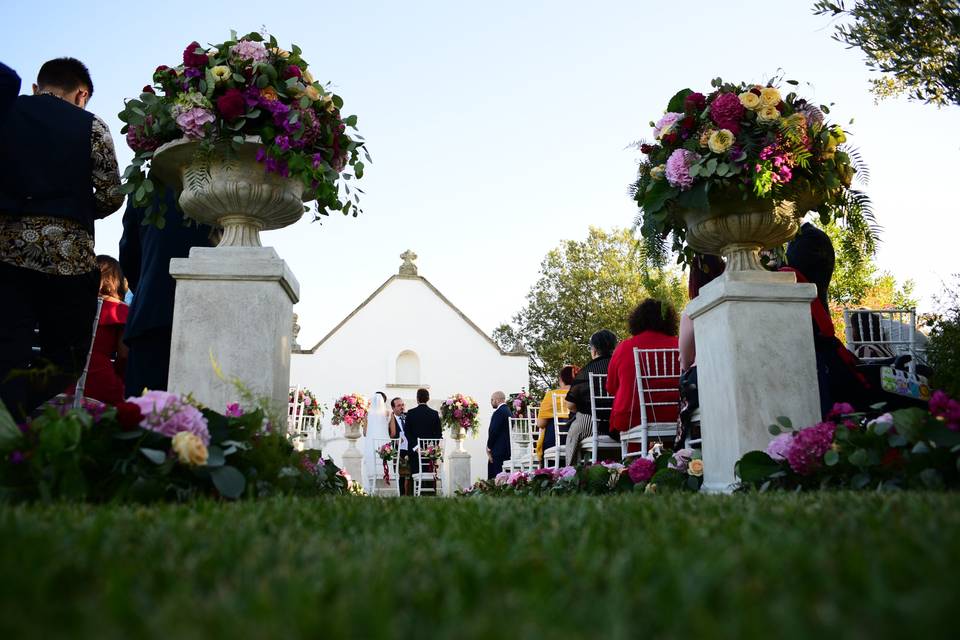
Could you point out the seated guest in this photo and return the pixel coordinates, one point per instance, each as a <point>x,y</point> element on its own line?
<point>108,358</point>
<point>9,87</point>
<point>547,437</point>
<point>653,325</point>
<point>602,344</point>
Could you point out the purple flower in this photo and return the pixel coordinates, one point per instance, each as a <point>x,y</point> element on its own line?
<point>167,414</point>
<point>665,123</point>
<point>192,72</point>
<point>841,409</point>
<point>726,111</point>
<point>517,477</point>
<point>946,409</point>
<point>283,142</point>
<point>16,457</point>
<point>234,410</point>
<point>317,160</point>
<point>777,449</point>
<point>566,472</point>
<point>249,50</point>
<point>641,470</point>
<point>192,121</point>
<point>678,168</point>
<point>680,460</point>
<point>261,154</point>
<point>805,453</point>
<point>502,478</point>
<point>545,472</point>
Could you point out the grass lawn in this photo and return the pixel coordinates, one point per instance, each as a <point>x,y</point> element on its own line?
<point>668,566</point>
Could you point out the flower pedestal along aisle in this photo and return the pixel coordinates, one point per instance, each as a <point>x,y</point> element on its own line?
<point>458,413</point>
<point>244,136</point>
<point>351,411</point>
<point>729,174</point>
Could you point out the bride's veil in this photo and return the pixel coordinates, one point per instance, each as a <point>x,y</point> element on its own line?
<point>376,430</point>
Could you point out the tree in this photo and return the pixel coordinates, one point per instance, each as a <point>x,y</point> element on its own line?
<point>943,351</point>
<point>914,45</point>
<point>583,286</point>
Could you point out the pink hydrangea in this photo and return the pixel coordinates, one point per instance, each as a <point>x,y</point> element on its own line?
<point>777,449</point>
<point>805,453</point>
<point>234,410</point>
<point>668,120</point>
<point>192,121</point>
<point>501,478</point>
<point>249,50</point>
<point>726,112</point>
<point>678,168</point>
<point>566,472</point>
<point>945,408</point>
<point>167,414</point>
<point>517,477</point>
<point>641,470</point>
<point>681,460</point>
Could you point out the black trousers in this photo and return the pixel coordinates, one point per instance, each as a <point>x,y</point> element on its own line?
<point>148,363</point>
<point>62,308</point>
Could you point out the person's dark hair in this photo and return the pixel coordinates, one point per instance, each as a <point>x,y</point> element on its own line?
<point>382,395</point>
<point>702,272</point>
<point>64,73</point>
<point>423,396</point>
<point>604,341</point>
<point>811,253</point>
<point>112,282</point>
<point>653,315</point>
<point>393,403</point>
<point>567,374</point>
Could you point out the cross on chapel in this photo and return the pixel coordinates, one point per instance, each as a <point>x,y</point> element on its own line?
<point>408,268</point>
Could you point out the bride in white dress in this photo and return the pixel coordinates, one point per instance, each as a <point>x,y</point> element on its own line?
<point>377,420</point>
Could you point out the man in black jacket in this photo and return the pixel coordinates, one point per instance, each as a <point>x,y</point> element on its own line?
<point>9,88</point>
<point>498,437</point>
<point>145,253</point>
<point>59,175</point>
<point>421,422</point>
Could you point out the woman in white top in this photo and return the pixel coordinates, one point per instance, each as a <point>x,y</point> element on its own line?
<point>377,418</point>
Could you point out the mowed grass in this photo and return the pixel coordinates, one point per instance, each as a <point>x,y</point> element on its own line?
<point>634,566</point>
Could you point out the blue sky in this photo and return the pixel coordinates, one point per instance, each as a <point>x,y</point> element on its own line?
<point>498,129</point>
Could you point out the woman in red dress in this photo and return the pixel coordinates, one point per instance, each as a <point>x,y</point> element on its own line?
<point>109,356</point>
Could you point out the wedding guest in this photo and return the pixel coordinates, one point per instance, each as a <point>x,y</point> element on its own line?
<point>421,422</point>
<point>397,428</point>
<point>108,358</point>
<point>498,436</point>
<point>602,344</point>
<point>145,254</point>
<point>547,438</point>
<point>9,88</point>
<point>59,175</point>
<point>653,325</point>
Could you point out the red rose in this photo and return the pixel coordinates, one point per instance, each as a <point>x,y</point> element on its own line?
<point>694,103</point>
<point>129,416</point>
<point>891,458</point>
<point>148,89</point>
<point>688,123</point>
<point>670,138</point>
<point>648,148</point>
<point>193,59</point>
<point>293,71</point>
<point>231,104</point>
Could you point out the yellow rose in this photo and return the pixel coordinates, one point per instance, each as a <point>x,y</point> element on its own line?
<point>650,488</point>
<point>269,93</point>
<point>705,137</point>
<point>695,468</point>
<point>767,115</point>
<point>658,172</point>
<point>190,449</point>
<point>312,92</point>
<point>327,101</point>
<point>721,140</point>
<point>750,100</point>
<point>307,77</point>
<point>221,73</point>
<point>769,97</point>
<point>280,53</point>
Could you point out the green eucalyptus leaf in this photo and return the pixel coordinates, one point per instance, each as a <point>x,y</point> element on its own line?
<point>154,455</point>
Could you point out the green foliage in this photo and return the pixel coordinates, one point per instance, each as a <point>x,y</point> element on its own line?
<point>943,350</point>
<point>915,46</point>
<point>584,286</point>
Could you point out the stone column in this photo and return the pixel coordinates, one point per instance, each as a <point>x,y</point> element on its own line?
<point>755,361</point>
<point>233,307</point>
<point>459,466</point>
<point>353,457</point>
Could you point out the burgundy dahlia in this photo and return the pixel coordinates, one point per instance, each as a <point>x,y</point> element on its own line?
<point>231,104</point>
<point>193,59</point>
<point>726,112</point>
<point>694,103</point>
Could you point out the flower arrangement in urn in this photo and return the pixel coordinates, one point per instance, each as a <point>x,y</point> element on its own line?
<point>518,403</point>
<point>745,146</point>
<point>305,397</point>
<point>246,87</point>
<point>350,410</point>
<point>459,412</point>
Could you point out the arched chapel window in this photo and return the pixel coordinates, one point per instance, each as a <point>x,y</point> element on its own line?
<point>408,368</point>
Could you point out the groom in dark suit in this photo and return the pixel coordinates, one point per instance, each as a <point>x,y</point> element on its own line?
<point>498,437</point>
<point>421,422</point>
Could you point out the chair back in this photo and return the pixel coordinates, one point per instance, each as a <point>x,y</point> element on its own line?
<point>560,413</point>
<point>393,466</point>
<point>875,335</point>
<point>522,444</point>
<point>658,386</point>
<point>295,411</point>
<point>601,405</point>
<point>82,381</point>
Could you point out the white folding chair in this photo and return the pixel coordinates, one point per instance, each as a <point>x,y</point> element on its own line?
<point>532,412</point>
<point>875,335</point>
<point>553,455</point>
<point>425,472</point>
<point>601,404</point>
<point>377,481</point>
<point>653,365</point>
<point>522,454</point>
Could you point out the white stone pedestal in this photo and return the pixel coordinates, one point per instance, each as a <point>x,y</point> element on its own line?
<point>353,457</point>
<point>459,469</point>
<point>233,306</point>
<point>755,361</point>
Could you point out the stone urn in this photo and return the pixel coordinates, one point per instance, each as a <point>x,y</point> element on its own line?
<point>458,434</point>
<point>227,187</point>
<point>353,432</point>
<point>738,229</point>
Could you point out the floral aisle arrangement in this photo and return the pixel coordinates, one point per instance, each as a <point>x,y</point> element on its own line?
<point>745,143</point>
<point>665,471</point>
<point>387,454</point>
<point>247,86</point>
<point>518,403</point>
<point>434,456</point>
<point>350,410</point>
<point>159,446</point>
<point>460,412</point>
<point>311,406</point>
<point>909,448</point>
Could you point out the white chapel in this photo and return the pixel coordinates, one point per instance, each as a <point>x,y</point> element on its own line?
<point>375,348</point>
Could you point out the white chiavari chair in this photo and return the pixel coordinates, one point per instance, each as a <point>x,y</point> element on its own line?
<point>601,404</point>
<point>431,475</point>
<point>658,383</point>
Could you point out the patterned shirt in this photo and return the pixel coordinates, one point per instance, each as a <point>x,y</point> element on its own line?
<point>62,246</point>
